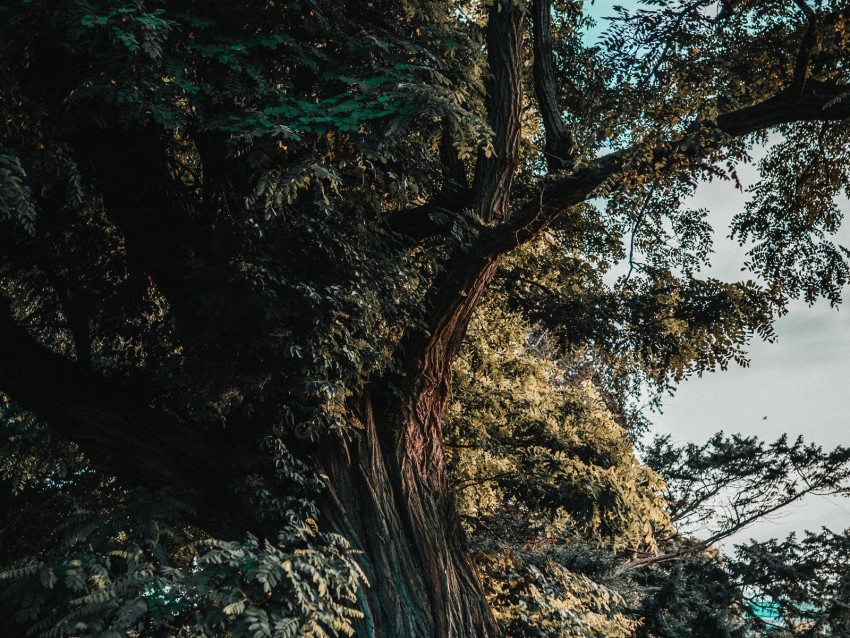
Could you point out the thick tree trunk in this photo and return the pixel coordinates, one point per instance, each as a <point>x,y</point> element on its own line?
<point>390,489</point>
<point>389,493</point>
<point>422,582</point>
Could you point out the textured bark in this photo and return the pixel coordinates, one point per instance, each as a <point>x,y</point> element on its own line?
<point>383,497</point>
<point>387,491</point>
<point>390,494</point>
<point>494,174</point>
<point>560,147</point>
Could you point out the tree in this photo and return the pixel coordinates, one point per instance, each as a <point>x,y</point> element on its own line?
<point>575,537</point>
<point>717,489</point>
<point>805,579</point>
<point>243,242</point>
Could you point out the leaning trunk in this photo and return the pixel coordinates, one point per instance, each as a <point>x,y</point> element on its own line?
<point>388,493</point>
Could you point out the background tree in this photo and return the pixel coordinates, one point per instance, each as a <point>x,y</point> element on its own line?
<point>575,536</point>
<point>713,491</point>
<point>242,245</point>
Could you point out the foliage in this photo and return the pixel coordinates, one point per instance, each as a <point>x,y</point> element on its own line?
<point>119,581</point>
<point>106,561</point>
<point>717,489</point>
<point>723,485</point>
<point>804,579</point>
<point>534,592</point>
<point>527,438</point>
<point>541,470</point>
<point>694,596</point>
<point>568,524</point>
<point>240,248</point>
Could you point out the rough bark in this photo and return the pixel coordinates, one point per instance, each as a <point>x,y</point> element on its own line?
<point>560,147</point>
<point>495,172</point>
<point>422,579</point>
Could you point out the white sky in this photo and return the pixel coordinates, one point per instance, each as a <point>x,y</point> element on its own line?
<point>801,383</point>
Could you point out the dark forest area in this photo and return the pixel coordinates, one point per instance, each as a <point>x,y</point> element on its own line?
<point>348,318</point>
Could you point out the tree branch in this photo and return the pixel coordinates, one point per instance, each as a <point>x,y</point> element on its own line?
<point>560,146</point>
<point>805,8</point>
<point>437,217</point>
<point>434,219</point>
<point>494,173</point>
<point>804,56</point>
<point>113,426</point>
<point>471,268</point>
<point>467,273</point>
<point>819,102</point>
<point>130,166</point>
<point>455,183</point>
<point>724,533</point>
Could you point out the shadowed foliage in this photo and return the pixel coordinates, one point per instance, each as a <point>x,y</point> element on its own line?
<point>242,245</point>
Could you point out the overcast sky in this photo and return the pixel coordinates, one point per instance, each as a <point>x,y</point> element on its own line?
<point>801,383</point>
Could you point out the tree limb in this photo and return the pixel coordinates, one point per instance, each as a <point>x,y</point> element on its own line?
<point>113,426</point>
<point>560,146</point>
<point>804,56</point>
<point>437,217</point>
<point>455,183</point>
<point>819,102</point>
<point>724,533</point>
<point>494,173</point>
<point>805,8</point>
<point>467,272</point>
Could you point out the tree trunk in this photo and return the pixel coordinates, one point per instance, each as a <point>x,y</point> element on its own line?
<point>389,495</point>
<point>389,491</point>
<point>422,582</point>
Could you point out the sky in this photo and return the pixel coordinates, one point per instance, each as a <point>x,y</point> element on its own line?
<point>799,385</point>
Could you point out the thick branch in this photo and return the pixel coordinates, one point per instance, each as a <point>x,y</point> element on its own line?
<point>130,166</point>
<point>115,428</point>
<point>801,4</point>
<point>434,219</point>
<point>468,273</point>
<point>470,269</point>
<point>73,307</point>
<point>818,102</point>
<point>494,173</point>
<point>166,235</point>
<point>804,56</point>
<point>438,216</point>
<point>560,146</point>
